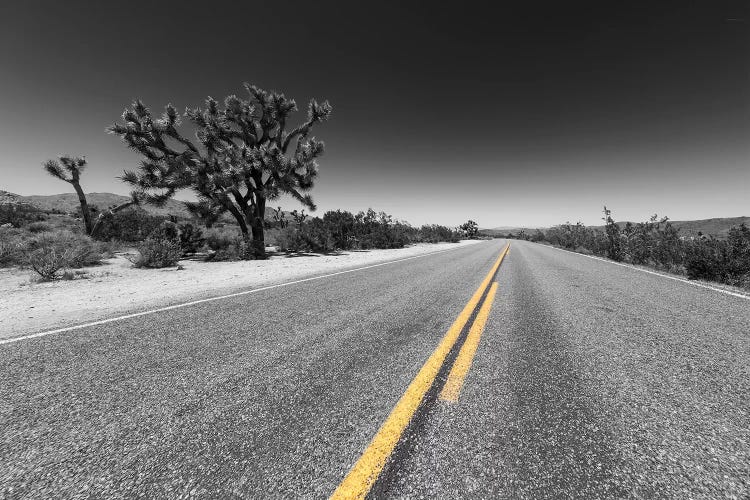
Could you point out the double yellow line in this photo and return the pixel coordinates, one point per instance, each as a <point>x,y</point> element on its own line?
<point>365,472</point>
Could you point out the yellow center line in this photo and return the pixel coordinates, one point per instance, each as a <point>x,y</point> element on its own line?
<point>365,472</point>
<point>452,387</point>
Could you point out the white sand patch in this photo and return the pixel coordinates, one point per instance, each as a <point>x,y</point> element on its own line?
<point>116,288</point>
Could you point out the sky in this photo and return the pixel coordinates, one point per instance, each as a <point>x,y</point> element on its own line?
<point>530,115</point>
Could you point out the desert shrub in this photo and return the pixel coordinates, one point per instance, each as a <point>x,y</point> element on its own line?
<point>167,230</point>
<point>107,249</point>
<point>340,225</point>
<point>38,227</point>
<point>19,214</point>
<point>703,264</point>
<point>657,243</point>
<point>50,253</point>
<point>290,239</point>
<point>271,234</point>
<point>161,248</point>
<point>131,224</point>
<point>77,250</point>
<point>191,238</point>
<point>226,243</point>
<point>738,243</point>
<point>435,233</point>
<point>12,246</point>
<point>342,230</point>
<point>317,235</point>
<point>11,253</point>
<point>378,230</point>
<point>48,262</point>
<point>157,252</point>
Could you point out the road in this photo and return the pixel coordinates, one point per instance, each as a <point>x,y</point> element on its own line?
<point>589,380</point>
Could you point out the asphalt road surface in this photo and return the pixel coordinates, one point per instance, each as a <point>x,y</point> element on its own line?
<point>589,380</point>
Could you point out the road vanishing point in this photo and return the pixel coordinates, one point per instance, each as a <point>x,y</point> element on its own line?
<point>492,370</point>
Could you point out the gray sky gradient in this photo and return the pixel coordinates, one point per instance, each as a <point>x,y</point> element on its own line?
<point>509,116</point>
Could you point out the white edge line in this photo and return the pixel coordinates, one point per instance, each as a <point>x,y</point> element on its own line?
<point>675,278</point>
<point>212,299</point>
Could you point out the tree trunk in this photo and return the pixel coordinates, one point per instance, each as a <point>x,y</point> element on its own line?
<point>108,213</point>
<point>257,246</point>
<point>84,206</point>
<point>256,214</point>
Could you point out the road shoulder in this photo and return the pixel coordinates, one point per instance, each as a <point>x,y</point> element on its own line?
<point>116,288</point>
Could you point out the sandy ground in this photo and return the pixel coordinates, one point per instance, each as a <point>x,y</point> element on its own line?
<point>117,288</point>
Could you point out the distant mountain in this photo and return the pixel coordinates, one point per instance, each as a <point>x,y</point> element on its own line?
<point>509,229</point>
<point>68,202</point>
<point>718,227</point>
<point>7,198</point>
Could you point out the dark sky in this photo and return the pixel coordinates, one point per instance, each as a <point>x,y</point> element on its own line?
<point>528,115</point>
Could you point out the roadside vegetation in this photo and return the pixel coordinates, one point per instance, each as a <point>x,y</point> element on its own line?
<point>235,157</point>
<point>657,244</point>
<point>55,245</point>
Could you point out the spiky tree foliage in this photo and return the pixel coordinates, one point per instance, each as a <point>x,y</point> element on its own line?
<point>469,228</point>
<point>69,169</point>
<point>241,156</point>
<point>279,217</point>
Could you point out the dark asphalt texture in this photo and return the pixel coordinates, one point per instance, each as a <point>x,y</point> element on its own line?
<point>590,381</point>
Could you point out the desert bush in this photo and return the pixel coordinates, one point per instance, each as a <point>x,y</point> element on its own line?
<point>167,230</point>
<point>378,230</point>
<point>317,235</point>
<point>107,249</point>
<point>48,262</point>
<point>226,243</point>
<point>157,253</point>
<point>435,233</point>
<point>161,248</point>
<point>290,239</point>
<point>341,226</point>
<point>11,253</point>
<point>50,253</point>
<point>38,227</point>
<point>79,250</point>
<point>131,224</point>
<point>12,246</point>
<point>191,238</point>
<point>656,243</point>
<point>342,230</point>
<point>19,214</point>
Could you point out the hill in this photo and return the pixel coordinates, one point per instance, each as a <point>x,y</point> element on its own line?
<point>7,198</point>
<point>717,227</point>
<point>503,230</point>
<point>68,202</point>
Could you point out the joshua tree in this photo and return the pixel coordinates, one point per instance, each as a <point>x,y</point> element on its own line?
<point>68,169</point>
<point>470,228</point>
<point>241,157</point>
<point>96,229</point>
<point>280,217</point>
<point>299,217</point>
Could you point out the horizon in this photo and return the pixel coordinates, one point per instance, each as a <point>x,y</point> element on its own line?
<point>319,213</point>
<point>520,117</point>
